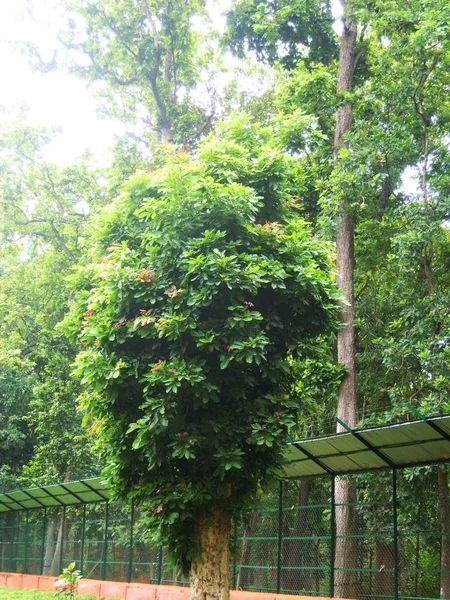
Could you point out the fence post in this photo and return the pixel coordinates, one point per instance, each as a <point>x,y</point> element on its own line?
<point>130,553</point>
<point>25,566</point>
<point>83,536</point>
<point>63,527</point>
<point>11,548</point>
<point>280,534</point>
<point>105,541</point>
<point>160,556</point>
<point>332,534</point>
<point>44,531</point>
<point>234,580</point>
<point>395,523</point>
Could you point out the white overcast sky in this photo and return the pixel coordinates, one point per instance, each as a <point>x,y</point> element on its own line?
<point>55,99</point>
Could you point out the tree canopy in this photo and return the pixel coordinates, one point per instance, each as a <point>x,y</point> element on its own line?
<point>192,320</point>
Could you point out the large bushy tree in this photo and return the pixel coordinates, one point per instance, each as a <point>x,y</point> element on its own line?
<point>192,316</point>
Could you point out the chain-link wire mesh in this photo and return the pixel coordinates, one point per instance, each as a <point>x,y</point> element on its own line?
<point>306,538</point>
<point>371,536</point>
<point>256,566</point>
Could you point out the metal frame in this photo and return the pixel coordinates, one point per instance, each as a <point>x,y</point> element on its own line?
<point>130,552</point>
<point>277,539</point>
<point>101,495</point>
<point>49,499</point>
<point>378,451</point>
<point>367,444</point>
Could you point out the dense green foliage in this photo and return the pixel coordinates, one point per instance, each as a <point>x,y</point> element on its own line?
<point>184,287</point>
<point>286,31</point>
<point>198,309</point>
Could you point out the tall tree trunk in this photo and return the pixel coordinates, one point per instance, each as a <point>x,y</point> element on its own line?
<point>7,540</point>
<point>346,518</point>
<point>210,570</point>
<point>444,513</point>
<point>347,405</point>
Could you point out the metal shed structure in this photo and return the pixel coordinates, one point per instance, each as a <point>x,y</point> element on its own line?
<point>288,545</point>
<point>425,441</point>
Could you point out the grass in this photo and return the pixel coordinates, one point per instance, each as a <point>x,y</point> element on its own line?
<point>9,594</point>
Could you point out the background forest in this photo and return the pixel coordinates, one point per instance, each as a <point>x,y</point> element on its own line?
<point>345,108</point>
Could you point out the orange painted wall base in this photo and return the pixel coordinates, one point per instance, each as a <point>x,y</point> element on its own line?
<point>127,591</point>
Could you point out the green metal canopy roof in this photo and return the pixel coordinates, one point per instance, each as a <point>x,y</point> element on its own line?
<point>84,491</point>
<point>421,442</point>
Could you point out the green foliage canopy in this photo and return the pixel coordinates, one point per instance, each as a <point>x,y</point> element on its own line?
<point>191,322</point>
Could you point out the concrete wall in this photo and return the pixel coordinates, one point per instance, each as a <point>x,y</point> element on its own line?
<point>127,591</point>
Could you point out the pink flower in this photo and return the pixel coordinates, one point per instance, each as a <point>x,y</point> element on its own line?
<point>248,304</point>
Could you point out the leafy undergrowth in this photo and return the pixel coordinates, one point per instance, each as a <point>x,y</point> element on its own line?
<point>9,594</point>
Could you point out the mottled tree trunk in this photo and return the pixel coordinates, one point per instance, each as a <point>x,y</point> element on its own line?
<point>210,570</point>
<point>346,557</point>
<point>444,513</point>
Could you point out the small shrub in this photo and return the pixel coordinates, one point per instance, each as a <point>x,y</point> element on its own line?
<point>68,582</point>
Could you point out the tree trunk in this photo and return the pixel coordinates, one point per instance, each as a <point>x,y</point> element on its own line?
<point>210,570</point>
<point>384,561</point>
<point>347,405</point>
<point>346,518</point>
<point>49,548</point>
<point>444,513</point>
<point>54,569</point>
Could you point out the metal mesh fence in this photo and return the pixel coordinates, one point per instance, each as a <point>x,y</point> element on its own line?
<point>376,535</point>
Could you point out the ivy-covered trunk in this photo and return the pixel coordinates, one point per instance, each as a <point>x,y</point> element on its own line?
<point>210,570</point>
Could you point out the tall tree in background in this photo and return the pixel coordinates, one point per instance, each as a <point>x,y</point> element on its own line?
<point>346,560</point>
